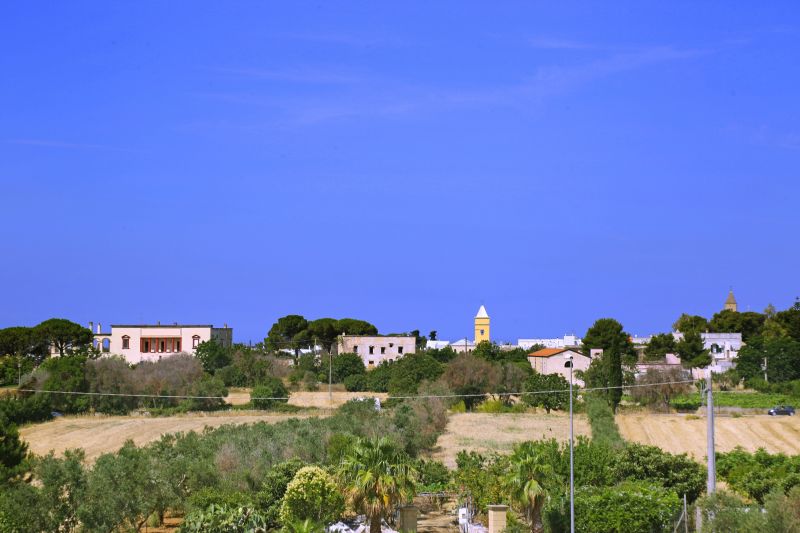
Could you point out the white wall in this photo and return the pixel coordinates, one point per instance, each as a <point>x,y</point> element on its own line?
<point>186,334</point>
<point>383,348</point>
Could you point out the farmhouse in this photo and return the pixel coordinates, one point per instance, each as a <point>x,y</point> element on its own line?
<point>552,361</point>
<point>375,349</point>
<point>150,342</point>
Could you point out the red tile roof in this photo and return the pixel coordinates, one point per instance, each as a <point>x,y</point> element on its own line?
<point>548,352</point>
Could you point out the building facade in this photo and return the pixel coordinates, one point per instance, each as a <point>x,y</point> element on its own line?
<point>553,361</point>
<point>151,342</point>
<point>374,350</point>
<point>567,341</point>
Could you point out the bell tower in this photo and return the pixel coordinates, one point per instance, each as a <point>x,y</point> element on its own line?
<point>730,302</point>
<point>482,326</point>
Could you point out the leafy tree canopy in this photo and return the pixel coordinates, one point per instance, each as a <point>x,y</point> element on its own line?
<point>686,323</point>
<point>66,336</point>
<point>659,346</point>
<point>692,351</point>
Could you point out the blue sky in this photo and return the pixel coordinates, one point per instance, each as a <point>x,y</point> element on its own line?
<point>401,163</point>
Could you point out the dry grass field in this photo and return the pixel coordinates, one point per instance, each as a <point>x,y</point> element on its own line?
<point>318,399</point>
<point>680,434</point>
<point>483,432</point>
<point>101,434</point>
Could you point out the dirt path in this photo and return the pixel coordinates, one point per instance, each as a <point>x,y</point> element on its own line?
<point>483,432</point>
<point>101,434</point>
<point>681,434</point>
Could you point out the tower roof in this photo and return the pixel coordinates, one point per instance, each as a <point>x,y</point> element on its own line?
<point>731,298</point>
<point>482,313</point>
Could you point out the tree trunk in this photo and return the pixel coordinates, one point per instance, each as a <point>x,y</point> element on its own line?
<point>375,524</point>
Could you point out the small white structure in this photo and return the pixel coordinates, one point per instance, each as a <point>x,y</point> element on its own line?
<point>374,350</point>
<point>463,346</point>
<point>436,345</point>
<point>150,342</point>
<point>567,341</point>
<point>552,361</point>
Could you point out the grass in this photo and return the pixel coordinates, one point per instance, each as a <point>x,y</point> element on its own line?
<point>601,419</point>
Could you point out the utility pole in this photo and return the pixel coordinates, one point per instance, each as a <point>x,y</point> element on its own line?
<point>330,377</point>
<point>765,370</point>
<point>19,373</point>
<point>711,486</point>
<point>571,459</point>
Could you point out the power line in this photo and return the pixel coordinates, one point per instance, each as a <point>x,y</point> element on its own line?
<point>366,394</point>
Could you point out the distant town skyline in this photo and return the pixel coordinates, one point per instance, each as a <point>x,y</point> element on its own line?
<point>401,164</point>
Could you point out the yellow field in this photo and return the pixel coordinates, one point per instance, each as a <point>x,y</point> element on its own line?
<point>484,432</point>
<point>679,434</point>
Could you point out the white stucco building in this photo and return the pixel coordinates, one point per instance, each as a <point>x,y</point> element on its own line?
<point>566,341</point>
<point>150,342</point>
<point>552,361</point>
<point>375,349</point>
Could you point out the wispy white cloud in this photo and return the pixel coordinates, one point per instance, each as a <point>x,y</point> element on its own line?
<point>390,98</point>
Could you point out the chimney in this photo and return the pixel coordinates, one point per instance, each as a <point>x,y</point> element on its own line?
<point>91,326</point>
<point>99,328</point>
<point>158,323</point>
<point>497,518</point>
<point>225,326</point>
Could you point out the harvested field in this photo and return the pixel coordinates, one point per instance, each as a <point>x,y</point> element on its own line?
<point>681,434</point>
<point>484,432</point>
<point>101,434</point>
<point>319,399</point>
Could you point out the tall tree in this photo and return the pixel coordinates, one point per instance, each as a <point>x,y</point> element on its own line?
<point>324,331</point>
<point>286,333</point>
<point>529,482</point>
<point>608,335</point>
<point>22,342</point>
<point>13,451</point>
<point>352,326</point>
<point>783,359</point>
<point>659,346</point>
<point>692,351</point>
<point>690,323</point>
<point>66,336</point>
<point>376,477</point>
<point>749,323</point>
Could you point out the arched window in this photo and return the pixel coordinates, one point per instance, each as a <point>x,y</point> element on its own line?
<point>126,342</point>
<point>195,341</point>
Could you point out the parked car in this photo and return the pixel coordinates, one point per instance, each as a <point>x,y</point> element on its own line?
<point>782,410</point>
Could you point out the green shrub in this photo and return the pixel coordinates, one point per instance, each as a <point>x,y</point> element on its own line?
<point>356,383</point>
<point>311,495</point>
<point>601,419</point>
<point>268,394</point>
<point>207,496</point>
<point>630,507</point>
<point>224,519</point>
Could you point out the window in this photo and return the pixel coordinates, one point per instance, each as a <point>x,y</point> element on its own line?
<point>195,341</point>
<point>391,344</point>
<point>371,350</point>
<point>372,363</point>
<point>399,349</point>
<point>355,349</point>
<point>481,332</point>
<point>383,350</point>
<point>157,344</point>
<point>126,342</point>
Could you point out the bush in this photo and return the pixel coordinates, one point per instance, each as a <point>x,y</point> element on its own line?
<point>433,476</point>
<point>232,376</point>
<point>678,473</point>
<point>356,383</point>
<point>224,519</point>
<point>311,495</point>
<point>631,507</point>
<point>269,393</point>
<point>601,418</point>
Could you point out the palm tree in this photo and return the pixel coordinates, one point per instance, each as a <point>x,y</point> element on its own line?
<point>376,477</point>
<point>527,483</point>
